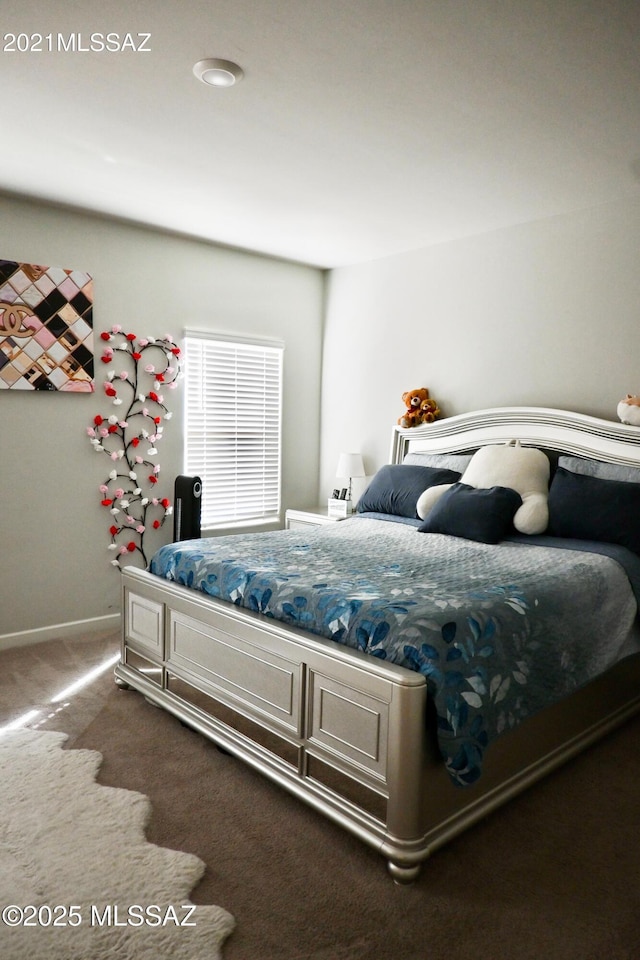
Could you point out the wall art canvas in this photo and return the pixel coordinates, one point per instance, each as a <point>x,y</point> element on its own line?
<point>46,328</point>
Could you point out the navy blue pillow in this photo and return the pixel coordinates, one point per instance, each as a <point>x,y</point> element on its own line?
<point>396,487</point>
<point>484,514</point>
<point>589,508</point>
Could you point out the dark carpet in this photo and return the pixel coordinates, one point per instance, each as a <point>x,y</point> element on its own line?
<point>555,875</point>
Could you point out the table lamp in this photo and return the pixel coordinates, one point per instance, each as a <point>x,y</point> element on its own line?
<point>350,465</point>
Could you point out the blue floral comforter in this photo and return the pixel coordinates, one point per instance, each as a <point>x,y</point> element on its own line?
<point>499,632</point>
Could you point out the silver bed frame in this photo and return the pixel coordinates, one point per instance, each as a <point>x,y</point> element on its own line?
<point>348,733</point>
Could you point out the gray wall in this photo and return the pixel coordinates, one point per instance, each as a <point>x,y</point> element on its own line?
<point>55,566</point>
<point>546,314</point>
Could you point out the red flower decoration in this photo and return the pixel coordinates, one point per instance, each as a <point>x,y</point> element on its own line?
<point>134,393</point>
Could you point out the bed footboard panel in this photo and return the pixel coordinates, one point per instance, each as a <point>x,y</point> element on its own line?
<point>237,669</point>
<point>343,731</point>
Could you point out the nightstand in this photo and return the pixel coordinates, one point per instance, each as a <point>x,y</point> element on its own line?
<point>313,517</point>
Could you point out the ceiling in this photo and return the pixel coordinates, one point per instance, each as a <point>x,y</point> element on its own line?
<point>361,128</point>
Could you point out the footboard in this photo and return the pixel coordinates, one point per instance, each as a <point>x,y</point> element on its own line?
<point>343,731</point>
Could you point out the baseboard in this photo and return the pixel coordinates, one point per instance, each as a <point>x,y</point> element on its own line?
<point>41,634</point>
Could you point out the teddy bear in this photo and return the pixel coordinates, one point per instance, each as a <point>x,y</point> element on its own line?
<point>629,410</point>
<point>413,401</point>
<point>524,469</point>
<point>429,410</point>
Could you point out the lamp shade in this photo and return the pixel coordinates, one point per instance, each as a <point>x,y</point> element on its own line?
<point>350,465</point>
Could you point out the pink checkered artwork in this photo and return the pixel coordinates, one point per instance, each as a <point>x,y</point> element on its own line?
<point>46,328</point>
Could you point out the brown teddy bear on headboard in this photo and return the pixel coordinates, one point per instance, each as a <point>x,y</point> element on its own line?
<point>420,408</point>
<point>429,410</point>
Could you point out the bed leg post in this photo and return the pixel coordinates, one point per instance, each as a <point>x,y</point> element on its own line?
<point>403,874</point>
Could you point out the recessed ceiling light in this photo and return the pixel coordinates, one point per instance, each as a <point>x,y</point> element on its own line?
<point>218,73</point>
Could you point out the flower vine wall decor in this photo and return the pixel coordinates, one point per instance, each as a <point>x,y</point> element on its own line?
<point>129,437</point>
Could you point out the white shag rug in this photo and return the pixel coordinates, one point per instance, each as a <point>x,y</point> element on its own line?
<point>78,879</point>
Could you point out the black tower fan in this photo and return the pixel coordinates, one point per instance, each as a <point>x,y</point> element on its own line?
<point>188,500</point>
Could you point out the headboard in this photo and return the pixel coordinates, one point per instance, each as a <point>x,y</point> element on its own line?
<point>558,430</point>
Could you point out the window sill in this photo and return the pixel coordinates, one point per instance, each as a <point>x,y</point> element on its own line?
<point>259,525</point>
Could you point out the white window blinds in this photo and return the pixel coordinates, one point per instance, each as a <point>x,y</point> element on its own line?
<point>232,427</point>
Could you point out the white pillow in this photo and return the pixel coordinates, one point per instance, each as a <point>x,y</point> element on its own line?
<point>524,469</point>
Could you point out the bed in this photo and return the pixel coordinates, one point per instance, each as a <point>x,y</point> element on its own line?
<point>417,701</point>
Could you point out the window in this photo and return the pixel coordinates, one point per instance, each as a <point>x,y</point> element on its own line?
<point>232,426</point>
